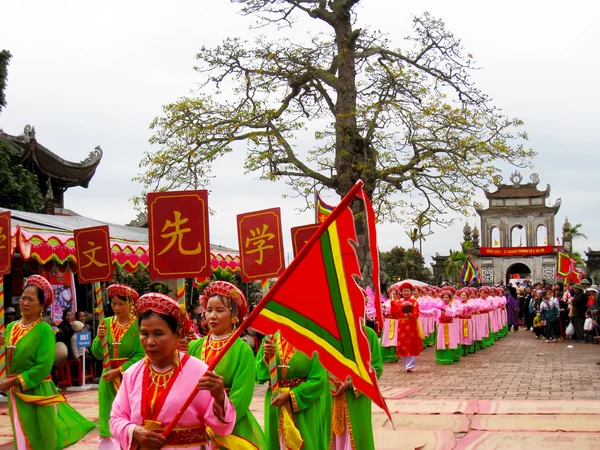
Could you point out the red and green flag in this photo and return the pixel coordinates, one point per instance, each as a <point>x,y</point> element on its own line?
<point>318,306</point>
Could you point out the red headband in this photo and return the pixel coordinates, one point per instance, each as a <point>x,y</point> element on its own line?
<point>123,291</point>
<point>163,304</point>
<point>44,285</point>
<point>225,289</point>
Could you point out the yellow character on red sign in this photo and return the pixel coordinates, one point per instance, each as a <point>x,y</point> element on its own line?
<point>258,239</point>
<point>91,254</point>
<point>2,238</point>
<point>177,235</point>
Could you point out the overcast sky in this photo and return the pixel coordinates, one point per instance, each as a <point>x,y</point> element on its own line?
<point>87,74</point>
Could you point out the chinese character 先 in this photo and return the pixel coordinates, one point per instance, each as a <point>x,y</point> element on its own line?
<point>177,235</point>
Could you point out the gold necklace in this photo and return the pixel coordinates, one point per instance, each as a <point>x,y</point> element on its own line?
<point>155,376</point>
<point>220,343</point>
<point>29,325</point>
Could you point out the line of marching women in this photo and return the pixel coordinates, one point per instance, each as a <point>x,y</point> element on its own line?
<point>456,322</point>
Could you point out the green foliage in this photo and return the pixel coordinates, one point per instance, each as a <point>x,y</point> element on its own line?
<point>140,280</point>
<point>454,264</point>
<point>18,187</point>
<point>579,261</point>
<point>219,274</point>
<point>404,120</point>
<point>575,232</point>
<point>4,60</point>
<point>400,264</point>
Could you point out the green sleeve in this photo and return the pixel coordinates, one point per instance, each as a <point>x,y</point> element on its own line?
<point>195,348</point>
<point>138,352</point>
<point>242,384</point>
<point>96,347</point>
<point>262,371</point>
<point>376,361</point>
<point>44,359</point>
<point>311,390</point>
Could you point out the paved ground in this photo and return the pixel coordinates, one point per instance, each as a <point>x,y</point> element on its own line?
<point>520,393</point>
<point>517,367</point>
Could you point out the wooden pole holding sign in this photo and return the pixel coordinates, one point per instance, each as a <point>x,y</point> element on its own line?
<point>5,259</point>
<point>92,246</point>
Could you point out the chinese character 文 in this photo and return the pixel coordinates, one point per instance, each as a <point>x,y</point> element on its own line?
<point>91,254</point>
<point>258,239</point>
<point>177,235</point>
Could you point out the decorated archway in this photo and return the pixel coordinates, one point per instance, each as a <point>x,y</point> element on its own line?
<point>518,271</point>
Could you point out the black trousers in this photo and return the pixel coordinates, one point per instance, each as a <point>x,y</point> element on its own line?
<point>552,330</point>
<point>578,324</point>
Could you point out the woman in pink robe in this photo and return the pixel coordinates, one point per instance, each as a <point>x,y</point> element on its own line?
<point>154,389</point>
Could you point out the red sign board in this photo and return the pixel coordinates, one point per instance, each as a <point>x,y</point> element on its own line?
<point>518,251</point>
<point>5,243</point>
<point>261,244</point>
<point>301,235</point>
<point>93,254</point>
<point>178,232</point>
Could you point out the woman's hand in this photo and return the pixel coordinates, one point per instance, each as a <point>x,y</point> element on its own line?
<point>102,331</point>
<point>111,375</point>
<point>268,347</point>
<point>343,388</point>
<point>148,439</point>
<point>213,383</point>
<point>281,400</point>
<point>8,383</point>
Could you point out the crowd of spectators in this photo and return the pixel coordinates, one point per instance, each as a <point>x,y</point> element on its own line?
<point>558,312</point>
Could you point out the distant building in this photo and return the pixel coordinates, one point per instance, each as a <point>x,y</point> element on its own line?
<point>55,175</point>
<point>517,232</point>
<point>516,238</point>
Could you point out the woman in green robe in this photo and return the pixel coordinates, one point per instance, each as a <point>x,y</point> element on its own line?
<point>302,385</point>
<point>40,416</point>
<point>225,306</point>
<point>123,350</point>
<point>345,401</point>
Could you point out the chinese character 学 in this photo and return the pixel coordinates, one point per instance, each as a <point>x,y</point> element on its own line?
<point>2,238</point>
<point>257,242</point>
<point>91,254</point>
<point>177,235</point>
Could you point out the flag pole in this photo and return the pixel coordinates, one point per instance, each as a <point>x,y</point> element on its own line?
<point>316,203</point>
<point>348,198</point>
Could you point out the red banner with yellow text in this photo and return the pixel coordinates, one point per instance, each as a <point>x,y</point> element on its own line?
<point>301,235</point>
<point>261,244</point>
<point>178,234</point>
<point>5,243</point>
<point>518,251</point>
<point>93,254</point>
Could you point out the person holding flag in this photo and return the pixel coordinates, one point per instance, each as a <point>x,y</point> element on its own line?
<point>121,333</point>
<point>294,412</point>
<point>154,389</point>
<point>225,307</point>
<point>404,307</point>
<point>332,328</point>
